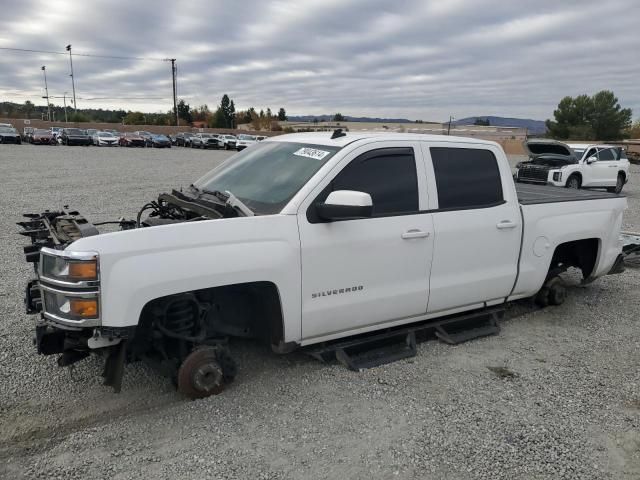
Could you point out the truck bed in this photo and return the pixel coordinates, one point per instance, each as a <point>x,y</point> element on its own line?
<point>529,194</point>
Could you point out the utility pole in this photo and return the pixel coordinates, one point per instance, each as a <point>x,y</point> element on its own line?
<point>46,89</point>
<point>174,78</point>
<point>449,127</point>
<point>73,82</point>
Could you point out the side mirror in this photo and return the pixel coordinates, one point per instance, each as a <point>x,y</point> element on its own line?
<point>345,205</point>
<point>592,159</point>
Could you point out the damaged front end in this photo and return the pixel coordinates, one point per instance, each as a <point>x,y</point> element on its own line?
<point>66,290</point>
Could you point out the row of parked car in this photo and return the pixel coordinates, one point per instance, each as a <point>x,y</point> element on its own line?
<point>108,138</point>
<point>216,140</point>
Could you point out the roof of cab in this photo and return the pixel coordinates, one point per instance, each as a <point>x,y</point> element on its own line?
<point>324,138</point>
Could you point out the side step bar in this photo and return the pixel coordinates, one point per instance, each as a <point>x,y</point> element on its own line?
<point>372,350</point>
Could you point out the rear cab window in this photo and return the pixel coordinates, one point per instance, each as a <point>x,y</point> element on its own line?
<point>466,178</point>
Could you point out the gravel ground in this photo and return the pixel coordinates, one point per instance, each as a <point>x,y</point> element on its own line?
<point>555,395</point>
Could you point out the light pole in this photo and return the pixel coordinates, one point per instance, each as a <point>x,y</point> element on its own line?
<point>64,99</point>
<point>73,82</point>
<point>46,89</point>
<point>449,127</point>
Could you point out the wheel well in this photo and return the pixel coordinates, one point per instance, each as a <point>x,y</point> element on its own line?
<point>581,254</point>
<point>250,310</point>
<point>575,174</point>
<point>624,175</point>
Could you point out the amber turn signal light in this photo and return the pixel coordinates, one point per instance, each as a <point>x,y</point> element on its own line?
<point>83,270</point>
<point>84,307</point>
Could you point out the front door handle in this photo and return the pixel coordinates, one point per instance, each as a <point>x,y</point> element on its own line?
<point>506,224</point>
<point>414,233</point>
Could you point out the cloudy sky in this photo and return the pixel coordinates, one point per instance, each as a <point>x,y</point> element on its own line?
<point>422,59</point>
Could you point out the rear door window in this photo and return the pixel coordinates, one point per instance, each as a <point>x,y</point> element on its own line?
<point>466,178</point>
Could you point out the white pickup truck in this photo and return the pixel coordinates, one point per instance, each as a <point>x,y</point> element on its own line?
<point>303,239</point>
<point>574,165</point>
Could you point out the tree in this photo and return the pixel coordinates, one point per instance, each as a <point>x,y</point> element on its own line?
<point>282,115</point>
<point>483,122</point>
<point>634,131</point>
<point>228,111</point>
<point>28,108</point>
<point>218,119</point>
<point>184,111</point>
<point>132,118</point>
<point>201,114</point>
<point>609,120</point>
<point>338,117</point>
<point>599,117</point>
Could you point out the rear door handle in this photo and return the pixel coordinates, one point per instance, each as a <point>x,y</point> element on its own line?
<point>506,224</point>
<point>414,233</point>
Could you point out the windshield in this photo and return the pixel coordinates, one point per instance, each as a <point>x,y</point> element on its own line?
<point>578,152</point>
<point>246,137</point>
<point>75,131</point>
<point>267,175</point>
<point>105,134</point>
<point>230,137</point>
<point>7,130</point>
<point>42,132</point>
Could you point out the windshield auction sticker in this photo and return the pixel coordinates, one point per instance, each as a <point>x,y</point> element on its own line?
<point>311,153</point>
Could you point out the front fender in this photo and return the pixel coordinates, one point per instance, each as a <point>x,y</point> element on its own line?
<point>137,266</point>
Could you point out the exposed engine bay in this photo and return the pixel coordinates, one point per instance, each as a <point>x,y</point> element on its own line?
<point>550,161</point>
<point>58,229</point>
<point>182,336</point>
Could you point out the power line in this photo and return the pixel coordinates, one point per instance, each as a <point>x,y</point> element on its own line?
<point>91,55</point>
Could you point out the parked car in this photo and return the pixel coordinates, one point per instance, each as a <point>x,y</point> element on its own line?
<point>104,139</point>
<point>147,137</point>
<point>129,139</point>
<point>185,141</point>
<point>576,165</point>
<point>173,138</point>
<point>42,137</point>
<point>9,135</point>
<point>160,141</point>
<point>113,132</point>
<point>27,132</point>
<point>259,138</point>
<point>341,235</point>
<point>74,136</point>
<point>243,141</point>
<point>56,132</point>
<point>228,142</point>
<point>204,140</point>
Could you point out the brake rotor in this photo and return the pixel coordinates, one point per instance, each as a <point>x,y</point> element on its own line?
<point>201,375</point>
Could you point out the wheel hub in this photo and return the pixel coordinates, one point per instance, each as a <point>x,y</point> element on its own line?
<point>207,378</point>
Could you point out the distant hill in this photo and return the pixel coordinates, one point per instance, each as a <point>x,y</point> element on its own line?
<point>329,118</point>
<point>534,126</point>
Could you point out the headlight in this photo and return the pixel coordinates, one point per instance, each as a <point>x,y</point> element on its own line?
<point>69,268</point>
<point>557,176</point>
<point>72,307</point>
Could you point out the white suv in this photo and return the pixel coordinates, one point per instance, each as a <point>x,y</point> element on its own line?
<point>575,165</point>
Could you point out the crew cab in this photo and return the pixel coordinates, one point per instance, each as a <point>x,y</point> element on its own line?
<point>304,239</point>
<point>576,165</point>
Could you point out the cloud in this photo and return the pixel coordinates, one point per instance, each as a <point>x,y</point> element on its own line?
<point>409,58</point>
